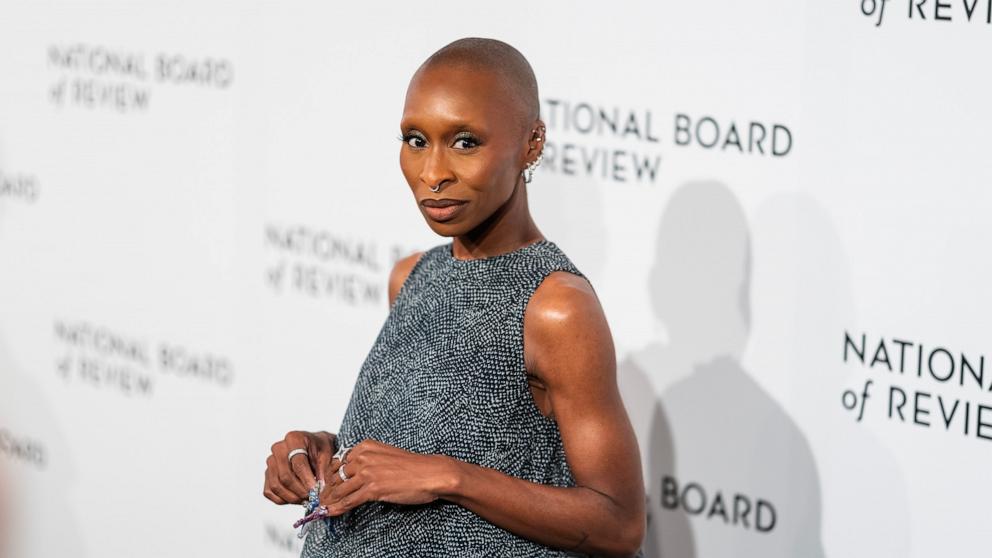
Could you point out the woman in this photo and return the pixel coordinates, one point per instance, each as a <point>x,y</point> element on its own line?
<point>486,419</point>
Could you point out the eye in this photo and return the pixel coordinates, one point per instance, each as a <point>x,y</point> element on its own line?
<point>413,140</point>
<point>466,142</point>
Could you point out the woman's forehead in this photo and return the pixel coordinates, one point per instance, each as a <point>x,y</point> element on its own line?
<point>456,95</point>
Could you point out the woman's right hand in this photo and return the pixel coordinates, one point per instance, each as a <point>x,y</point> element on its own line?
<point>290,482</point>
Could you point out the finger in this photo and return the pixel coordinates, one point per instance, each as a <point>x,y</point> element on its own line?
<point>298,439</point>
<point>320,459</point>
<point>331,491</point>
<point>331,478</point>
<point>280,462</point>
<point>273,497</point>
<point>287,496</point>
<point>300,465</point>
<point>350,501</point>
<point>355,481</point>
<point>329,485</point>
<point>287,484</point>
<point>266,489</point>
<point>275,486</point>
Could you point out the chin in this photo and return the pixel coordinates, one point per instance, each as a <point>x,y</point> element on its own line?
<point>442,229</point>
<point>449,229</point>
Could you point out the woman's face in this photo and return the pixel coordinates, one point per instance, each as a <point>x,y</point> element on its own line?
<point>461,131</point>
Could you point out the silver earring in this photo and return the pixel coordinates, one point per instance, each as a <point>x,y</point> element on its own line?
<point>529,171</point>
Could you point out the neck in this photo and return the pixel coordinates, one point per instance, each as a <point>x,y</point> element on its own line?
<point>507,229</point>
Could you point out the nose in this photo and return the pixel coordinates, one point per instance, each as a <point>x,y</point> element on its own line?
<point>435,170</point>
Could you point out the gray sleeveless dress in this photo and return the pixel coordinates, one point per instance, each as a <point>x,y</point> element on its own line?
<point>446,375</point>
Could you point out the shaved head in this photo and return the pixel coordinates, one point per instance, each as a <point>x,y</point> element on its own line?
<point>504,62</point>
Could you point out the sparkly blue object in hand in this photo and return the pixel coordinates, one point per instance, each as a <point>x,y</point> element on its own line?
<point>313,509</point>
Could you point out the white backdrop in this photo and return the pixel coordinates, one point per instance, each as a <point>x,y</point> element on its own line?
<point>200,203</point>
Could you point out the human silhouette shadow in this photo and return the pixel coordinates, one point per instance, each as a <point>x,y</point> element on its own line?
<point>813,274</point>
<point>713,425</point>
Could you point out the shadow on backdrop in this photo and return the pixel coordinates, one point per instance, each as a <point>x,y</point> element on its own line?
<point>728,472</point>
<point>864,485</point>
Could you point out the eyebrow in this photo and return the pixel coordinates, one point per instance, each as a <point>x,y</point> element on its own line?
<point>448,128</point>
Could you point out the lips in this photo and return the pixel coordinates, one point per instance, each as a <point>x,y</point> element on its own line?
<point>443,209</point>
<point>444,202</point>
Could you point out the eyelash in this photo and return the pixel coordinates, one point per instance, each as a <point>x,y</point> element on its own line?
<point>405,138</point>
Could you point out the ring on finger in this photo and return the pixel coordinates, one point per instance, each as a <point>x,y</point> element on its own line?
<point>341,453</point>
<point>341,472</point>
<point>294,453</point>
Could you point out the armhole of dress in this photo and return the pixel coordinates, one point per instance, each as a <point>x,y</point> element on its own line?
<point>406,282</point>
<point>531,402</point>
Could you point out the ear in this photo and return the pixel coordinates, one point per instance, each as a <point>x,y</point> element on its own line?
<point>535,141</point>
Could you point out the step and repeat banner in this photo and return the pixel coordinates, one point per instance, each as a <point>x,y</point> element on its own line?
<point>784,207</point>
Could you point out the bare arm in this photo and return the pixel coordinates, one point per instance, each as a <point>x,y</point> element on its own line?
<point>574,356</point>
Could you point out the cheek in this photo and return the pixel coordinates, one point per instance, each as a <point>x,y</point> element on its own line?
<point>408,167</point>
<point>486,176</point>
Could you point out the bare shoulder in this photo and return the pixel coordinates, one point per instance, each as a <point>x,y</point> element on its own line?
<point>563,296</point>
<point>401,270</point>
<point>564,317</point>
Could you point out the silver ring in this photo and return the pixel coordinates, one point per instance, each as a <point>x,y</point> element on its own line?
<point>342,451</point>
<point>340,454</point>
<point>294,453</point>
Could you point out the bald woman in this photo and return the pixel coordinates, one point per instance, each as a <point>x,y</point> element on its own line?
<point>486,419</point>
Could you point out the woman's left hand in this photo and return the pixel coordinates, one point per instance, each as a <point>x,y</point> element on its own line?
<point>379,471</point>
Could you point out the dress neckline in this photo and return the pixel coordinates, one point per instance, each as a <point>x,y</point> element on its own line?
<point>449,252</point>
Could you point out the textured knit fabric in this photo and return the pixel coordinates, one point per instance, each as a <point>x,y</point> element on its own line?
<point>446,375</point>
